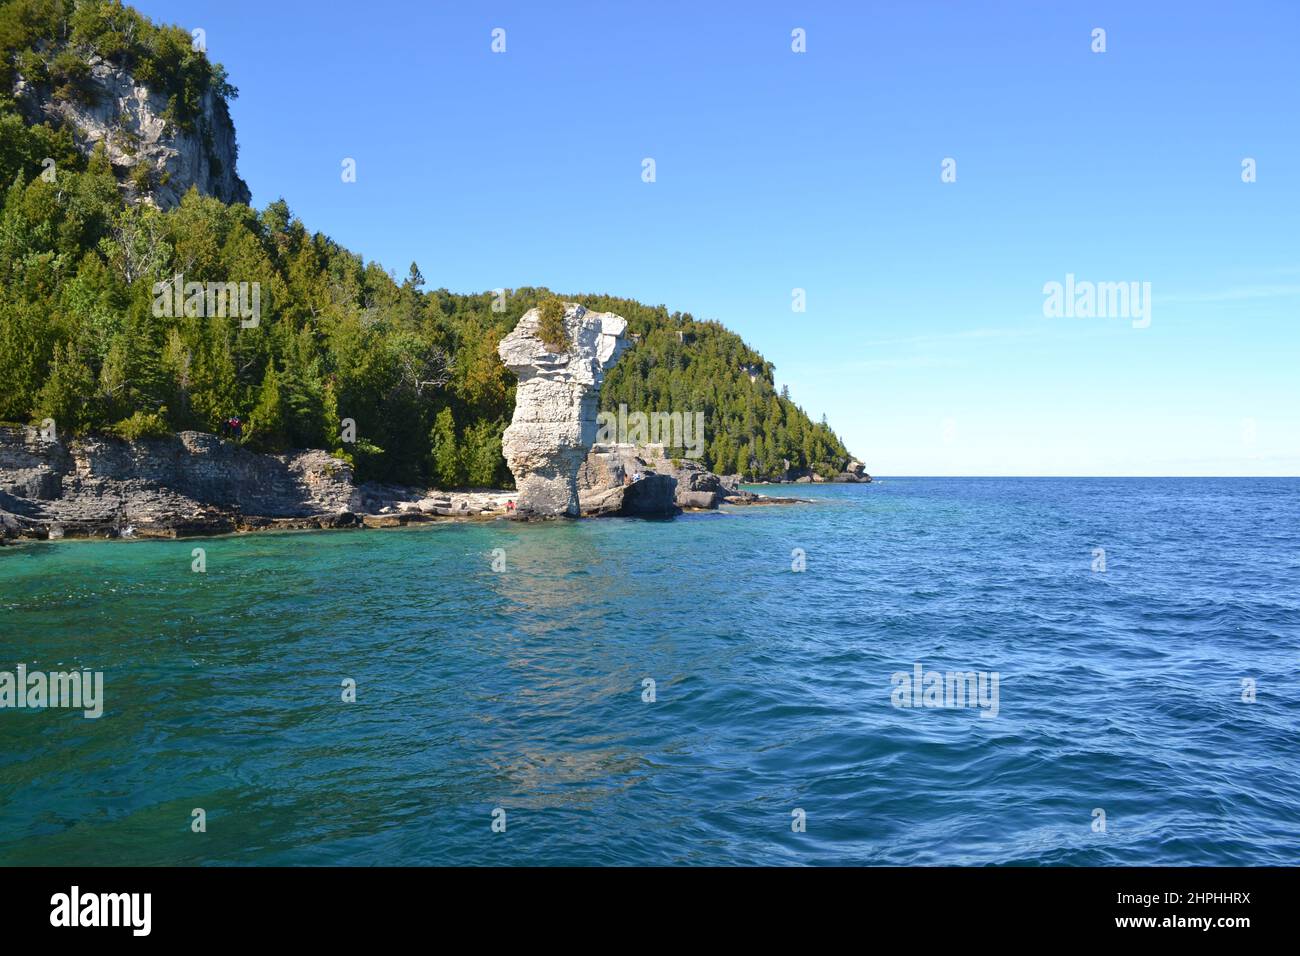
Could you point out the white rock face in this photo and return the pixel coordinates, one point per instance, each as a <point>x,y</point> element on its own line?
<point>555,406</point>
<point>127,118</point>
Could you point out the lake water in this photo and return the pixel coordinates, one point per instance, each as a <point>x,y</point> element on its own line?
<point>1119,690</point>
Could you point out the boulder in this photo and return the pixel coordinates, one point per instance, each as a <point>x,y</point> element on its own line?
<point>652,496</point>
<point>610,465</point>
<point>601,502</point>
<point>698,500</point>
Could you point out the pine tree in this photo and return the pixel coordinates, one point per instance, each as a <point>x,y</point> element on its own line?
<point>338,336</point>
<point>482,453</point>
<point>332,423</point>
<point>446,465</point>
<point>63,396</point>
<point>267,423</point>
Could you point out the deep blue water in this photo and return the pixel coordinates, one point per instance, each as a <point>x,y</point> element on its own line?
<point>522,690</point>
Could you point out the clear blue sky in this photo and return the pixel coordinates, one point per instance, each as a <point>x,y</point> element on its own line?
<point>924,339</point>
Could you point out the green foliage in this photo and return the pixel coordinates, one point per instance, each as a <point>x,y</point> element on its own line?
<point>142,178</point>
<point>683,364</point>
<point>81,339</point>
<point>143,425</point>
<point>446,459</point>
<point>51,41</point>
<point>482,452</point>
<point>62,397</point>
<point>550,325</point>
<point>268,424</point>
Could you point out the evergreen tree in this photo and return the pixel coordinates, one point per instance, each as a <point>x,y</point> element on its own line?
<point>447,470</point>
<point>338,337</point>
<point>268,425</point>
<point>482,453</point>
<point>63,396</point>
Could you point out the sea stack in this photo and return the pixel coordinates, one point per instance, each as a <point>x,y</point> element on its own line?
<point>555,405</point>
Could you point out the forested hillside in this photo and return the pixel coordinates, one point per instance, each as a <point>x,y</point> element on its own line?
<point>337,338</point>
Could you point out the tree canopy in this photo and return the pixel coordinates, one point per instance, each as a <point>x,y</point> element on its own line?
<point>339,340</point>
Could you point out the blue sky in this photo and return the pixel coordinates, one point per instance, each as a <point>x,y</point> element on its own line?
<point>924,340</point>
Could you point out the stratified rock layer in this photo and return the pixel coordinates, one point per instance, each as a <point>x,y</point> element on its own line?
<point>555,405</point>
<point>192,483</point>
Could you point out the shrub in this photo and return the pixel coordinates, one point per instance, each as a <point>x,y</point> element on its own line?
<point>142,176</point>
<point>143,425</point>
<point>550,326</point>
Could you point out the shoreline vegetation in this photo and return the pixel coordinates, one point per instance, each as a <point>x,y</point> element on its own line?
<point>118,178</point>
<point>197,484</point>
<point>144,304</point>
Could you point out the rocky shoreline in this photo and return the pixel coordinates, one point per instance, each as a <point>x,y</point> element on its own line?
<point>195,484</point>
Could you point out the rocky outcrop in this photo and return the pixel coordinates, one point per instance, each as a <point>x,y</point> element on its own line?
<point>554,424</point>
<point>128,118</point>
<point>198,484</point>
<point>611,482</point>
<point>615,465</point>
<point>853,473</point>
<point>192,483</point>
<point>654,496</point>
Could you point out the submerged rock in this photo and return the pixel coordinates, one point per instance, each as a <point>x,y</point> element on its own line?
<point>554,425</point>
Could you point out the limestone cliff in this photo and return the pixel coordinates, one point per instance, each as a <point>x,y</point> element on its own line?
<point>193,483</point>
<point>156,159</point>
<point>554,424</point>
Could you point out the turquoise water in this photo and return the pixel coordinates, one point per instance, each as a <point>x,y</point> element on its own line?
<point>522,690</point>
